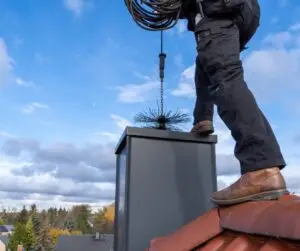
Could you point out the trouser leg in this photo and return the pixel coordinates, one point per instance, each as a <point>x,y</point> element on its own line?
<point>204,107</point>
<point>218,49</point>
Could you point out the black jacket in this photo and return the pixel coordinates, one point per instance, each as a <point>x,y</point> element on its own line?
<point>212,8</point>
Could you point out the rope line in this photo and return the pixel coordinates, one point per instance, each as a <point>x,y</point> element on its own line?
<point>154,15</point>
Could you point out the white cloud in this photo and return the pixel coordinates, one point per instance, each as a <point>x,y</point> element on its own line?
<point>22,82</point>
<point>120,121</point>
<point>7,67</point>
<point>186,86</point>
<point>5,134</point>
<point>184,90</point>
<point>30,108</point>
<point>76,6</point>
<point>111,137</point>
<point>6,64</point>
<point>38,175</point>
<point>273,70</point>
<point>295,27</point>
<point>278,40</point>
<point>137,93</point>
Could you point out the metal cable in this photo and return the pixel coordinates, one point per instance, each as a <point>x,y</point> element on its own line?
<point>154,15</point>
<point>162,57</point>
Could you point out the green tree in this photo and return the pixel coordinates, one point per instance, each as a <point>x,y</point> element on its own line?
<point>36,223</point>
<point>19,237</point>
<point>33,208</point>
<point>43,240</point>
<point>30,240</point>
<point>69,224</point>
<point>99,220</point>
<point>23,216</point>
<point>52,216</point>
<point>1,222</point>
<point>4,215</point>
<point>80,215</point>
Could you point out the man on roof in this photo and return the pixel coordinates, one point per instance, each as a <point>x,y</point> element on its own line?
<point>222,29</point>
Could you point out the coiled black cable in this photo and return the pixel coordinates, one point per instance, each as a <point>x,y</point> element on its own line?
<point>154,15</point>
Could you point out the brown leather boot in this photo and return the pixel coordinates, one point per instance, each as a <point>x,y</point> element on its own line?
<point>266,184</point>
<point>203,128</point>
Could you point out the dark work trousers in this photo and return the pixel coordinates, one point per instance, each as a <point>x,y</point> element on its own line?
<point>220,80</point>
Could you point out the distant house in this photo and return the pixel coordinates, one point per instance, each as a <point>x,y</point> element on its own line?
<point>85,242</point>
<point>3,242</point>
<point>6,229</point>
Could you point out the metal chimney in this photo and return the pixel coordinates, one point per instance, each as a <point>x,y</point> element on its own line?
<point>164,180</point>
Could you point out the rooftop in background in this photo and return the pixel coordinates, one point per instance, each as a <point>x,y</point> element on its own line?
<point>6,228</point>
<point>84,242</point>
<point>252,226</point>
<point>4,239</point>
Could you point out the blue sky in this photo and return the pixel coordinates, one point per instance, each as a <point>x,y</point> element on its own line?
<point>73,73</point>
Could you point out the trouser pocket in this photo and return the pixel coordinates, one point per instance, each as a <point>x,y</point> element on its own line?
<point>209,29</point>
<point>218,50</point>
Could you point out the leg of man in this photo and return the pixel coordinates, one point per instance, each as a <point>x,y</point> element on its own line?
<point>256,147</point>
<point>203,111</point>
<point>204,106</point>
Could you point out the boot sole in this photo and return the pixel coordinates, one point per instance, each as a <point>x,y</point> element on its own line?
<point>270,195</point>
<point>204,131</point>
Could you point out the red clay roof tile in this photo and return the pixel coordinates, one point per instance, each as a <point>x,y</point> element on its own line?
<point>189,236</point>
<point>242,242</point>
<point>252,226</point>
<point>272,218</point>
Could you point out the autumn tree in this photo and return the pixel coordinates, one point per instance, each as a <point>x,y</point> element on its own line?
<point>103,220</point>
<point>56,232</point>
<point>110,212</point>
<point>44,240</point>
